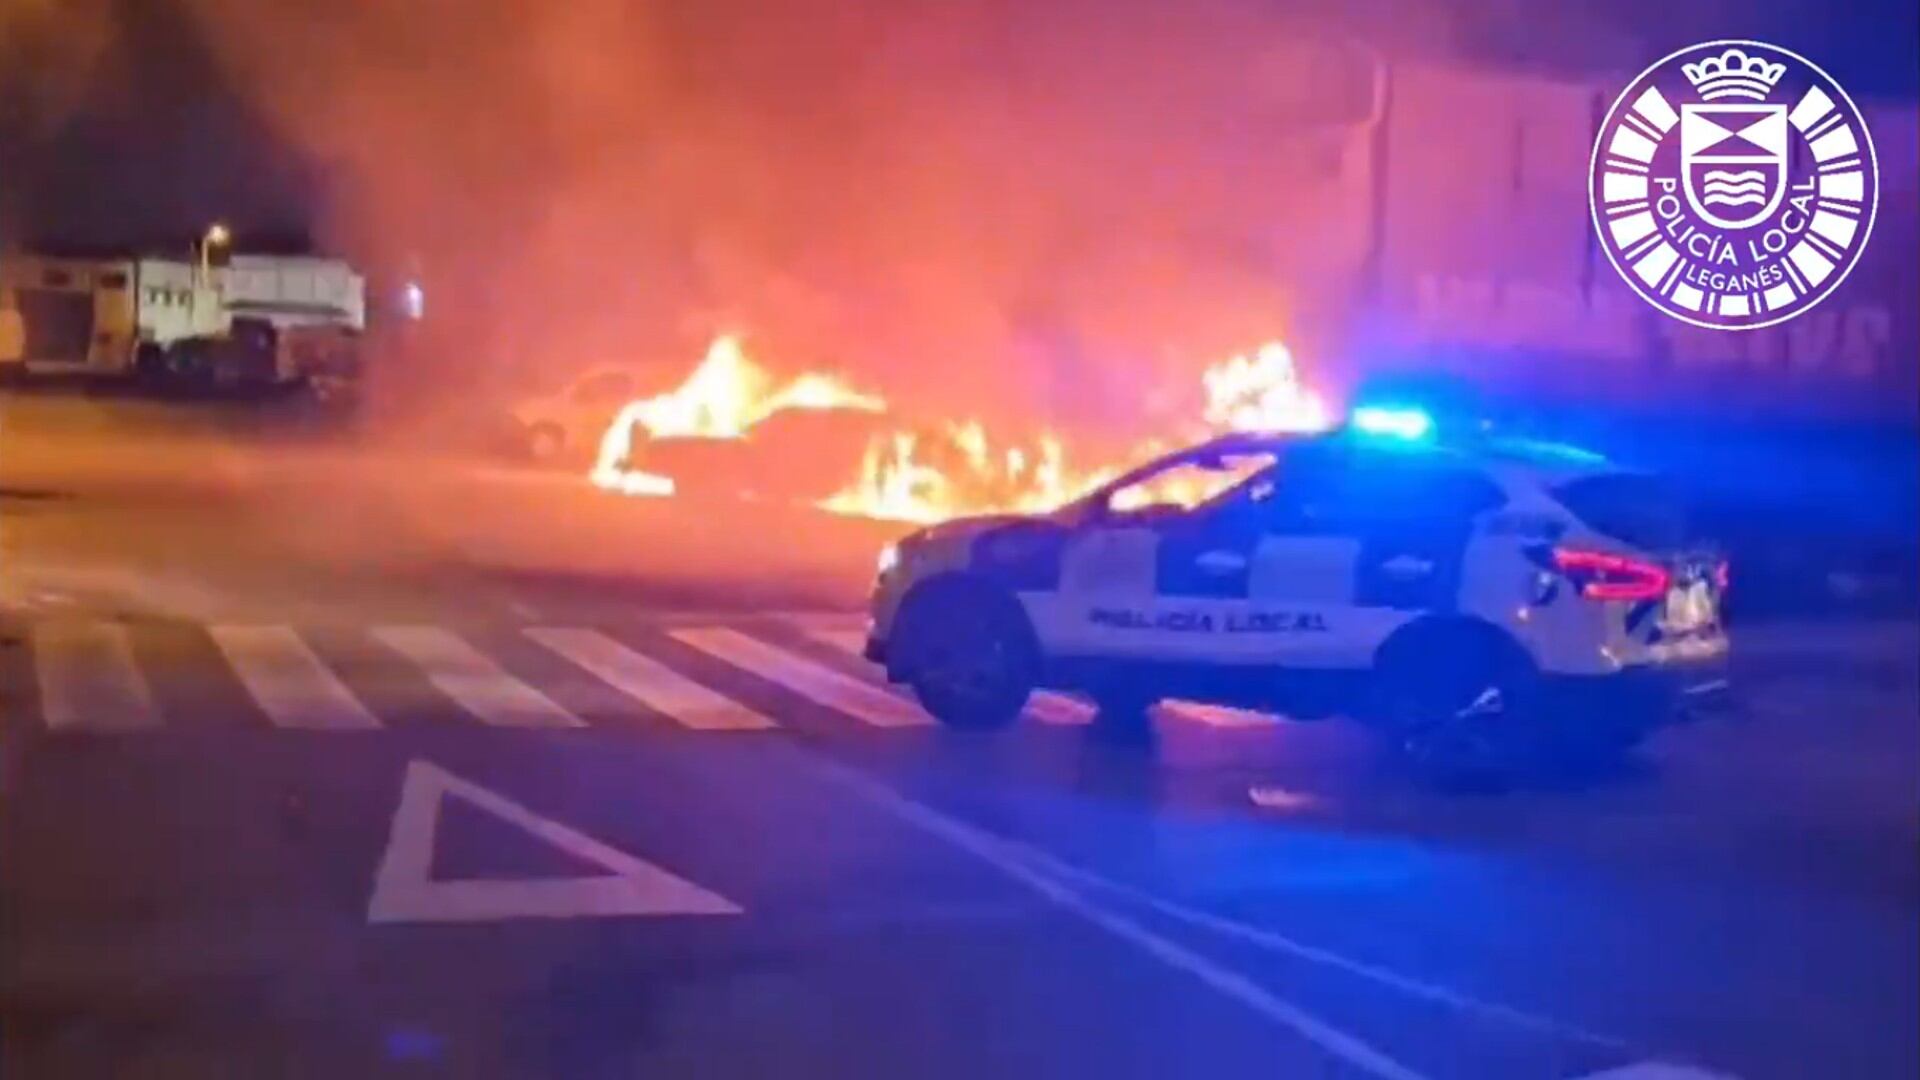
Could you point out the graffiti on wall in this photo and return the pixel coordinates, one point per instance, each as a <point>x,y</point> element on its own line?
<point>1853,341</point>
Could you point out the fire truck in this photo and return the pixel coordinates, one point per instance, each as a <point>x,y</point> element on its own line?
<point>254,322</point>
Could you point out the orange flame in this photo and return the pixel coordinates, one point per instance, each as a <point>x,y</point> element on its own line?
<point>1261,392</point>
<point>960,472</point>
<point>940,472</point>
<point>723,399</point>
<point>1257,392</point>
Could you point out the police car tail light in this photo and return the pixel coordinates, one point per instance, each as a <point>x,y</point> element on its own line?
<point>1605,576</point>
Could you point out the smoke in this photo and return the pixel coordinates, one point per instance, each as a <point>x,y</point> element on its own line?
<point>985,205</point>
<point>49,52</point>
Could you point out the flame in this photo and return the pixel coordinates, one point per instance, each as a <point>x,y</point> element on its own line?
<point>933,473</point>
<point>723,399</point>
<point>908,476</point>
<point>1260,391</point>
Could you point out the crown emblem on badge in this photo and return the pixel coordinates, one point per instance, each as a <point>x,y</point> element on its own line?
<point>1733,74</point>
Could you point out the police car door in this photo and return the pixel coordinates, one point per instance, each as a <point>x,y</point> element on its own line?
<point>1362,543</point>
<point>1159,580</point>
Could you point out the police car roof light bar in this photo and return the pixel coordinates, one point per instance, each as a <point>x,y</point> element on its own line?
<point>1392,421</point>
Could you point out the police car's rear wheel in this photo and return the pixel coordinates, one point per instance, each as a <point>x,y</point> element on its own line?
<point>1458,709</point>
<point>972,663</point>
<point>1469,749</point>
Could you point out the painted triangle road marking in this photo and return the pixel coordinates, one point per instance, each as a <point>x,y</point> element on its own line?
<point>403,890</point>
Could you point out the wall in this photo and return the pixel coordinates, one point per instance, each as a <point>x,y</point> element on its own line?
<point>1488,264</point>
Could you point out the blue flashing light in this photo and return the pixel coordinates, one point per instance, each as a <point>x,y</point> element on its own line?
<point>1392,421</point>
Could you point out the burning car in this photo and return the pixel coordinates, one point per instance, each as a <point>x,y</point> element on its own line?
<point>568,423</point>
<point>797,455</point>
<point>1474,598</point>
<point>711,431</point>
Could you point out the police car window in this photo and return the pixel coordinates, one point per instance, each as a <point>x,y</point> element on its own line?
<point>1363,492</point>
<point>1640,510</point>
<point>1189,483</point>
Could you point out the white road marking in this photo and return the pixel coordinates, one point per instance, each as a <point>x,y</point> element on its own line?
<point>403,891</point>
<point>1279,943</point>
<point>1348,1048</point>
<point>88,678</point>
<point>813,681</point>
<point>292,685</point>
<point>846,640</point>
<point>648,681</point>
<point>476,683</point>
<point>1050,707</point>
<point>854,621</point>
<point>1045,706</point>
<point>1215,715</point>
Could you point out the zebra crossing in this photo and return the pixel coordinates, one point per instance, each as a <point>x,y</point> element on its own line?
<point>100,677</point>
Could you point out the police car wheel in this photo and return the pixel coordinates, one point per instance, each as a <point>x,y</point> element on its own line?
<point>1458,711</point>
<point>971,665</point>
<point>1461,754</point>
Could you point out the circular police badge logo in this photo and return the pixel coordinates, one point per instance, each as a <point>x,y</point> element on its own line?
<point>1733,185</point>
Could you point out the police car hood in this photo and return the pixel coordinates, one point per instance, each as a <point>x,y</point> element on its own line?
<point>968,527</point>
<point>962,529</point>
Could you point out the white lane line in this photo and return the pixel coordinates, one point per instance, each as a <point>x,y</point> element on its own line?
<point>291,684</point>
<point>816,682</point>
<point>648,681</point>
<point>476,683</point>
<point>1348,1048</point>
<point>1280,943</point>
<point>850,641</point>
<point>88,678</point>
<point>1045,706</point>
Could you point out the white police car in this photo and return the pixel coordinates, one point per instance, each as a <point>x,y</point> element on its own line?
<point>1470,597</point>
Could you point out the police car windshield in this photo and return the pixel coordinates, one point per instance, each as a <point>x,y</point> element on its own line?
<point>1189,482</point>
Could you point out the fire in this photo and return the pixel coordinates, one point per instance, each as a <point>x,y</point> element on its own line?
<point>908,476</point>
<point>723,399</point>
<point>1260,391</point>
<point>933,473</point>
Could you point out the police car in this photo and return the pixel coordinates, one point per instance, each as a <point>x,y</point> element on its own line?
<point>1472,596</point>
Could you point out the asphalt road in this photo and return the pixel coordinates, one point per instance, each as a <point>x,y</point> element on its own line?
<point>328,761</point>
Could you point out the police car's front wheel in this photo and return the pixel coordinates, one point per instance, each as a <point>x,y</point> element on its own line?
<point>969,657</point>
